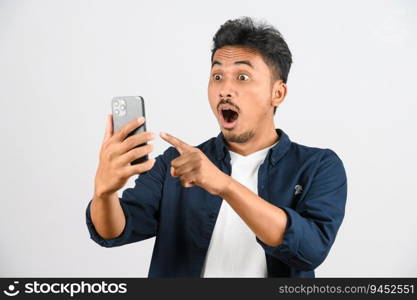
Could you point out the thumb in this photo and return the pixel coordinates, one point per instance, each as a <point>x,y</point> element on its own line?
<point>109,128</point>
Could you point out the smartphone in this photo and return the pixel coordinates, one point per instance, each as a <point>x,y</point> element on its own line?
<point>124,110</point>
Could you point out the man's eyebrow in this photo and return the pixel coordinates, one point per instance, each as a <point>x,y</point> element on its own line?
<point>244,62</point>
<point>239,62</point>
<point>215,62</point>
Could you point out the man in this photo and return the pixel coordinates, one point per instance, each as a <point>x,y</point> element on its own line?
<point>248,203</point>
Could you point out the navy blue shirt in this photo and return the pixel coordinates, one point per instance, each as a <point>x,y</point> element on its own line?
<point>308,183</point>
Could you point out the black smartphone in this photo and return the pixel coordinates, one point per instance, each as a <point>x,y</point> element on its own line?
<point>124,110</point>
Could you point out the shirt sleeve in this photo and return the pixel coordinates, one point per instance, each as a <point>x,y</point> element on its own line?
<point>313,223</point>
<point>140,205</point>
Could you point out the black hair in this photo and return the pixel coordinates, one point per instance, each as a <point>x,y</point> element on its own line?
<point>261,37</point>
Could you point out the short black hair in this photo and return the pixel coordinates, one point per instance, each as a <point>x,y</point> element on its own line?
<point>259,36</point>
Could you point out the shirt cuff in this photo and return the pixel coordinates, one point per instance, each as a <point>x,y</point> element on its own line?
<point>113,242</point>
<point>288,249</point>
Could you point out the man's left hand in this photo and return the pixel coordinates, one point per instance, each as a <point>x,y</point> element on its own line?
<point>194,168</point>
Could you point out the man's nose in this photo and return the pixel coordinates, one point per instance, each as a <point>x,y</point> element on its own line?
<point>227,90</point>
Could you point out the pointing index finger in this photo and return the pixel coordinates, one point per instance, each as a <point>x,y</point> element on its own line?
<point>176,142</point>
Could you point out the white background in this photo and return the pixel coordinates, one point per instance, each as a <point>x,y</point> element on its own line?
<point>351,88</point>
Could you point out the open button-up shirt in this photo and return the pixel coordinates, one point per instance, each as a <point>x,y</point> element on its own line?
<point>308,183</point>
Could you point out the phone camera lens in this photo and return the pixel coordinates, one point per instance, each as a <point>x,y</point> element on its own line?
<point>122,107</point>
<point>116,103</point>
<point>116,111</point>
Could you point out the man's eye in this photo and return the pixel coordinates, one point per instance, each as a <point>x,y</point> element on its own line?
<point>217,76</point>
<point>243,77</point>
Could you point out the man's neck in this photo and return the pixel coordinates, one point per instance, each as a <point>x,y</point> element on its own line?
<point>259,141</point>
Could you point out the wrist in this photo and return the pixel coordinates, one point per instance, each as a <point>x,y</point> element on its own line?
<point>101,194</point>
<point>225,183</point>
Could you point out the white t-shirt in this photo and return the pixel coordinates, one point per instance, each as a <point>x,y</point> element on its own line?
<point>233,250</point>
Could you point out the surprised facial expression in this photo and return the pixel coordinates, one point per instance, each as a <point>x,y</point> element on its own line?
<point>239,92</point>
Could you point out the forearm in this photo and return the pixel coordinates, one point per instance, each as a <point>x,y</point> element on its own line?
<point>266,220</point>
<point>107,216</point>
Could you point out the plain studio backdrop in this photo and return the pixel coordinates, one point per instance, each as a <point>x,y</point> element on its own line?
<point>351,89</point>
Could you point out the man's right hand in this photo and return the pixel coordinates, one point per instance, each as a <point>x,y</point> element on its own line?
<point>116,153</point>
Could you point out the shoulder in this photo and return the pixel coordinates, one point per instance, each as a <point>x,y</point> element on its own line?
<point>207,146</point>
<point>309,152</point>
<point>315,159</point>
<point>311,158</point>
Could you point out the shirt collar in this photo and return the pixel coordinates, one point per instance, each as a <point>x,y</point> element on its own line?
<point>275,153</point>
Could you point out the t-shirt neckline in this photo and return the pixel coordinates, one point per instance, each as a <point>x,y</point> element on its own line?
<point>257,154</point>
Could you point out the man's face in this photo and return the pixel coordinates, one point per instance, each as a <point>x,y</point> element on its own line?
<point>240,93</point>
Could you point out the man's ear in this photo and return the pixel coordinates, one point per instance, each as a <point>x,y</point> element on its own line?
<point>279,91</point>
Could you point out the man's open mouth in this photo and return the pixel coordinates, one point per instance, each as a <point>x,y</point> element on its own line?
<point>228,115</point>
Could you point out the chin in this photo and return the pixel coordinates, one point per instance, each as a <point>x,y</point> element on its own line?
<point>232,137</point>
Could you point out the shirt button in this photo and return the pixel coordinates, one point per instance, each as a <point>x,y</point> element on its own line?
<point>212,216</point>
